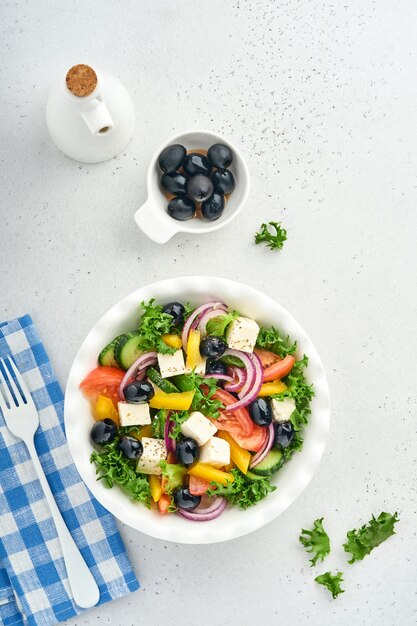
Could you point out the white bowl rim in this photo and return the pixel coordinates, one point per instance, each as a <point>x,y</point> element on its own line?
<point>227,526</point>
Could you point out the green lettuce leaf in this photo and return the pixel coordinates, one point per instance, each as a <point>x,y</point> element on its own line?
<point>362,541</point>
<point>115,469</point>
<point>316,541</point>
<point>241,491</point>
<point>153,324</point>
<point>332,582</point>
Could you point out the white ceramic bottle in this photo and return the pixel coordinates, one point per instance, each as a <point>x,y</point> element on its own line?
<point>90,115</point>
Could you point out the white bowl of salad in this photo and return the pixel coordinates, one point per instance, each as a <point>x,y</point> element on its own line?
<point>197,410</point>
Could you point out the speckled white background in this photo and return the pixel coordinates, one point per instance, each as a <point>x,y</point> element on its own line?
<point>321,97</point>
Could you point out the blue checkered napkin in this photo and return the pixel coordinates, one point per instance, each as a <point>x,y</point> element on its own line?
<point>33,584</point>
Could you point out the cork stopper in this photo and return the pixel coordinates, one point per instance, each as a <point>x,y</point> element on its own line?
<point>81,80</point>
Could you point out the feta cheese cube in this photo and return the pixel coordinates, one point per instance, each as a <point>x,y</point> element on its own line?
<point>154,451</point>
<point>215,452</point>
<point>133,414</point>
<point>171,364</point>
<point>198,427</point>
<point>242,334</point>
<point>200,368</point>
<point>282,409</point>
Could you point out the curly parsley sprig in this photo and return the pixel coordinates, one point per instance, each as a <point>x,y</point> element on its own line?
<point>273,234</point>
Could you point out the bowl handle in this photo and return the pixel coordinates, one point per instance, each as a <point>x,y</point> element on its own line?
<point>150,221</point>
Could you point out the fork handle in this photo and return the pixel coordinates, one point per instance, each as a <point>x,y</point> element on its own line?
<point>83,586</point>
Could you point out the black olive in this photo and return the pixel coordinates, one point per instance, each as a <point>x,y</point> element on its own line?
<point>174,183</point>
<point>187,451</point>
<point>195,163</point>
<point>223,181</point>
<point>212,346</point>
<point>213,208</point>
<point>220,156</point>
<point>185,500</point>
<point>181,208</point>
<point>215,367</point>
<point>199,188</point>
<point>261,412</point>
<point>284,434</point>
<point>104,431</point>
<point>171,158</point>
<point>138,392</point>
<point>176,310</point>
<point>131,447</point>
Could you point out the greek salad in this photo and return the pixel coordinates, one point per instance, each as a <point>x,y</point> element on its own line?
<point>196,408</point>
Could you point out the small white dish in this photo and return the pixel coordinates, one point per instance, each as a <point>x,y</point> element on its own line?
<point>291,480</point>
<point>152,217</point>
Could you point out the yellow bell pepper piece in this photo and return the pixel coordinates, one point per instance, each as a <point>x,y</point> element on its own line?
<point>145,431</point>
<point>193,349</point>
<point>173,401</point>
<point>229,466</point>
<point>268,389</point>
<point>238,455</point>
<point>210,474</point>
<point>155,484</point>
<point>173,341</point>
<point>105,408</point>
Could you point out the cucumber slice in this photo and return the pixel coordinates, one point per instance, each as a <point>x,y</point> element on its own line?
<point>127,350</point>
<point>250,476</point>
<point>184,382</point>
<point>271,463</point>
<point>106,356</point>
<point>160,382</point>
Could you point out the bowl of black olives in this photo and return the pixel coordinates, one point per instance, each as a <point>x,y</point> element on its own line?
<point>197,183</point>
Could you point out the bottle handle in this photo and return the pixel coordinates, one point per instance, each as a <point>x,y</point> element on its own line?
<point>150,220</point>
<point>97,118</point>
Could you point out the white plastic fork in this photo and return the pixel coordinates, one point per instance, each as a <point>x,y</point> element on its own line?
<point>22,420</point>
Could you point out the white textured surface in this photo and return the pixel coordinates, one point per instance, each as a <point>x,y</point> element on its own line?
<point>321,97</point>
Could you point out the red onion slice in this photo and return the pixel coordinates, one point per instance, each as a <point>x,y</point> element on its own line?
<point>253,382</point>
<point>220,377</point>
<point>200,310</point>
<point>169,442</point>
<point>209,315</point>
<point>205,515</point>
<point>239,378</point>
<point>136,370</point>
<point>259,456</point>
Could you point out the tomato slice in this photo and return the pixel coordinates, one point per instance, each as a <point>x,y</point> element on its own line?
<point>103,381</point>
<point>255,442</point>
<point>238,423</point>
<point>267,357</point>
<point>241,415</point>
<point>198,486</point>
<point>280,369</point>
<point>164,503</point>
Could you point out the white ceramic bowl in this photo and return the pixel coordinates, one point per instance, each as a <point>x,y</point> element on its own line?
<point>291,480</point>
<point>152,217</point>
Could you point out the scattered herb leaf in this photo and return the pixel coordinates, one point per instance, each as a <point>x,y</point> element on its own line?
<point>362,541</point>
<point>274,240</point>
<point>332,582</point>
<point>316,541</point>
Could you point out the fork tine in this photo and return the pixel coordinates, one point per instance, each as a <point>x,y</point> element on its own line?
<point>19,378</point>
<point>12,384</point>
<point>3,404</point>
<point>6,391</point>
